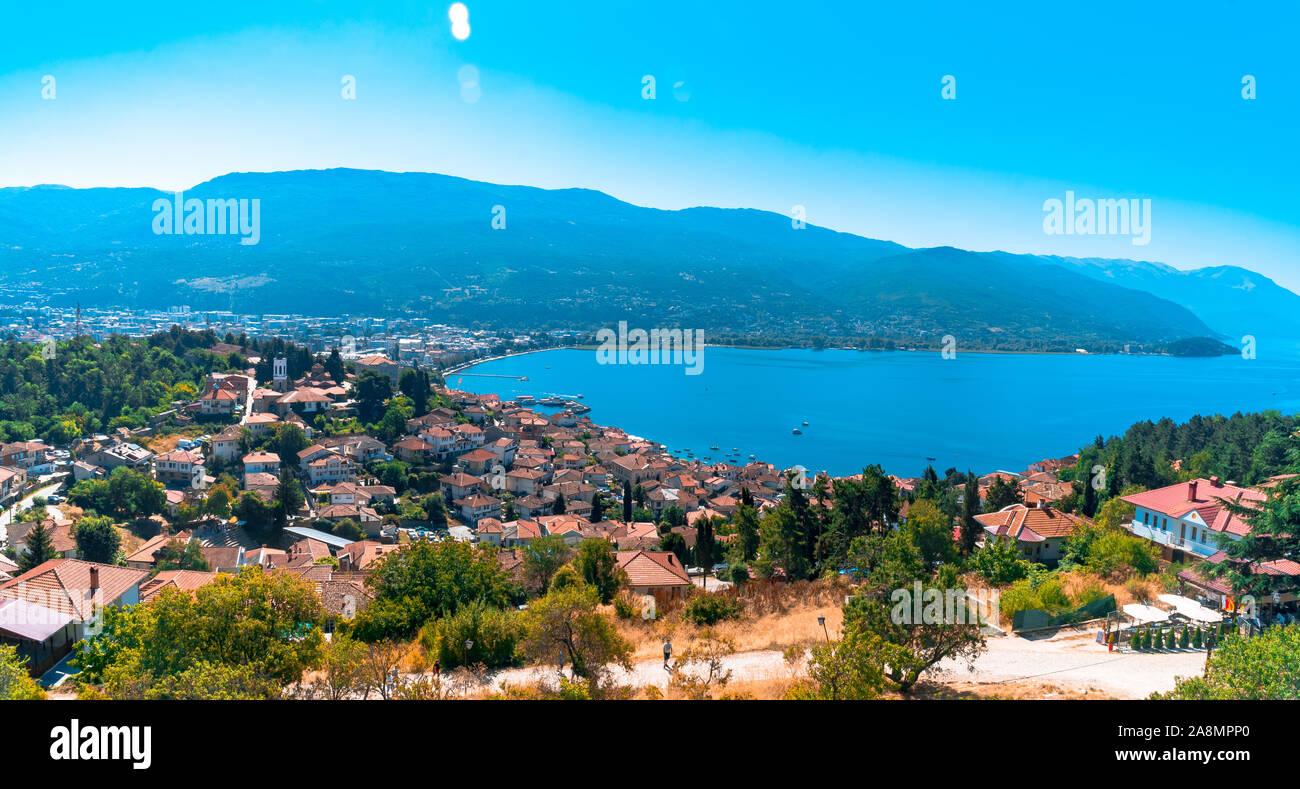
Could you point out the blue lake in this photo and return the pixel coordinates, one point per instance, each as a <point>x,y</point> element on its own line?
<point>982,411</point>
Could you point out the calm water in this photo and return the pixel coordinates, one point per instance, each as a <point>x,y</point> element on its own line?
<point>982,411</point>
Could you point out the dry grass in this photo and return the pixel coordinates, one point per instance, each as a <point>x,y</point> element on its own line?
<point>774,617</point>
<point>759,689</point>
<point>1127,589</point>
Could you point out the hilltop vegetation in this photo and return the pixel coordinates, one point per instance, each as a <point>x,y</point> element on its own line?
<point>569,258</point>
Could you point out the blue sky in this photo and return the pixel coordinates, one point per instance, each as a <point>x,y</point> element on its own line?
<point>836,107</point>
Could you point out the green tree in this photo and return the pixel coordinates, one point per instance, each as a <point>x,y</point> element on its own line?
<point>286,441</point>
<point>176,555</point>
<point>289,497</point>
<point>218,502</point>
<point>435,509</point>
<point>704,544</point>
<point>999,562</point>
<point>1002,493</point>
<point>15,683</point>
<point>334,366</point>
<point>494,632</point>
<point>415,385</point>
<point>97,539</point>
<point>597,563</point>
<point>930,529</point>
<point>39,548</point>
<point>542,557</point>
<point>746,522</point>
<point>883,607</point>
<point>971,529</point>
<point>371,390</point>
<point>565,628</point>
<point>257,516</point>
<point>849,669</point>
<point>424,580</point>
<point>242,636</point>
<point>1266,666</point>
<point>676,543</point>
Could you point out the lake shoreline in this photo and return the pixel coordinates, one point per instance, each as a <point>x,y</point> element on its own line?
<point>463,366</point>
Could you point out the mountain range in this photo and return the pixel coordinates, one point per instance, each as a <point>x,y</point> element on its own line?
<point>370,242</point>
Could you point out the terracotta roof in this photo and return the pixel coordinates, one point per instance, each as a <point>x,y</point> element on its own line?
<point>65,584</point>
<point>180,456</point>
<point>1204,496</point>
<point>1029,524</point>
<point>652,568</point>
<point>182,580</point>
<point>342,597</point>
<point>361,553</point>
<point>145,553</point>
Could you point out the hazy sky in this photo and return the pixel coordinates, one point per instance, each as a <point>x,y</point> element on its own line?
<point>836,107</point>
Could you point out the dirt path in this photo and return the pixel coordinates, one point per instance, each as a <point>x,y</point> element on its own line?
<point>1071,661</point>
<point>745,666</point>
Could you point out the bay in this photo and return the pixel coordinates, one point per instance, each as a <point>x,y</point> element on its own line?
<point>982,411</point>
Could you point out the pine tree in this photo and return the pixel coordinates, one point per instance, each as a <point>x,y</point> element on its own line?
<point>288,497</point>
<point>334,366</point>
<point>40,548</point>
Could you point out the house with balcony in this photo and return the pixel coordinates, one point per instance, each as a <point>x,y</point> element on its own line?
<point>179,467</point>
<point>261,462</point>
<point>330,468</point>
<point>30,456</point>
<point>475,507</point>
<point>1188,519</point>
<point>219,402</point>
<point>12,483</point>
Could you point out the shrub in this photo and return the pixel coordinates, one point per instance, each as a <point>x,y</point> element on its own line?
<point>1198,639</point>
<point>999,563</point>
<point>1169,639</point>
<point>1090,592</point>
<point>496,634</point>
<point>1183,640</point>
<point>623,608</point>
<point>707,610</point>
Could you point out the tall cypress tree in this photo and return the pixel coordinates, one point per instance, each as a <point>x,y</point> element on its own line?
<point>970,528</point>
<point>627,501</point>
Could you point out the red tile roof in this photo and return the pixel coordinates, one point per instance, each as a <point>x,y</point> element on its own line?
<point>1029,524</point>
<point>1204,496</point>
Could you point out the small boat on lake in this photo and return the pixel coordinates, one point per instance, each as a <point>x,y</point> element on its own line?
<point>796,431</point>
